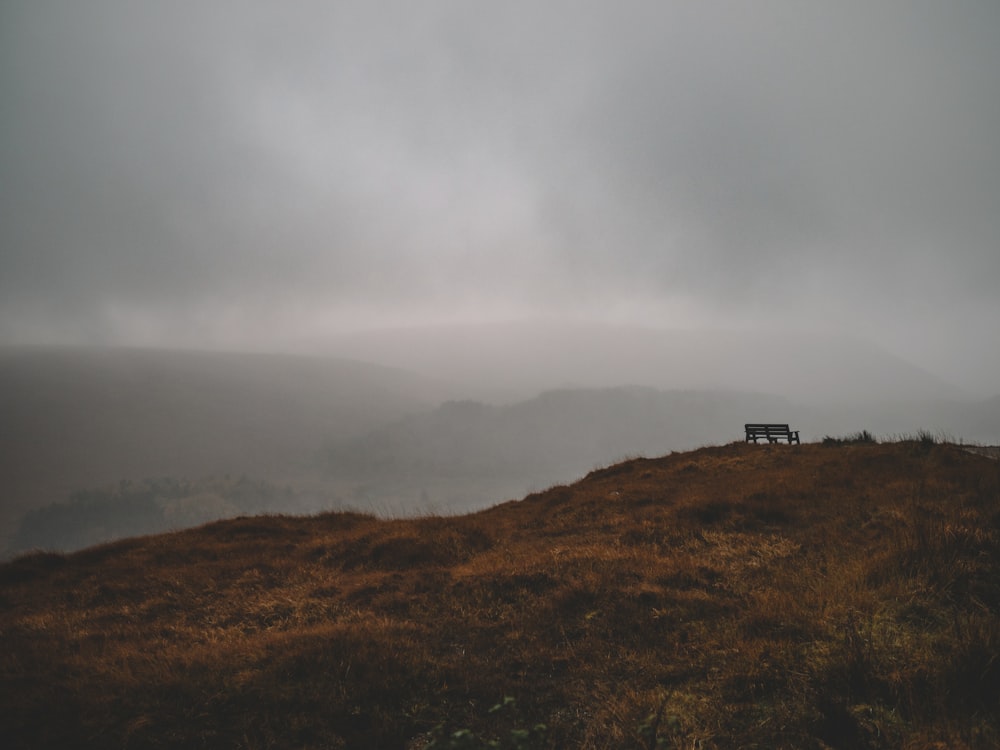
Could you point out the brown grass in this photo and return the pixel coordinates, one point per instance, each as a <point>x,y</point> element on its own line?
<point>738,596</point>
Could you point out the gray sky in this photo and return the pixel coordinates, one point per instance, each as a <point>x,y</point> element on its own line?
<point>248,174</point>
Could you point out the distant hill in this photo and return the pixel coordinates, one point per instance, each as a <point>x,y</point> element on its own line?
<point>112,444</point>
<point>351,434</point>
<point>514,361</point>
<point>462,448</point>
<point>816,596</point>
<point>466,454</point>
<point>75,419</point>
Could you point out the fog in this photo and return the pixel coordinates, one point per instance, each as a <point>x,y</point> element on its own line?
<point>269,176</point>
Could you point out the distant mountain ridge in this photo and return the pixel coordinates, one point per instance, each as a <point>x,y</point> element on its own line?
<point>517,360</point>
<point>369,437</point>
<point>554,437</point>
<point>460,454</point>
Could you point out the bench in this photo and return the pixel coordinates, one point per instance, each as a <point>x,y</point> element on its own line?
<point>773,432</point>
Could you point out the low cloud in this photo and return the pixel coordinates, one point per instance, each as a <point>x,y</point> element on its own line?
<point>240,174</point>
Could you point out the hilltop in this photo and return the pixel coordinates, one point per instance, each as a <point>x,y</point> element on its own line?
<point>842,595</point>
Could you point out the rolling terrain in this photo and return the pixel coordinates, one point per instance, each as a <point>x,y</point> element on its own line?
<point>458,457</point>
<point>837,595</point>
<point>100,444</point>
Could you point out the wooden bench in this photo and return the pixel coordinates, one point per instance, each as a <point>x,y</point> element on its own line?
<point>773,432</point>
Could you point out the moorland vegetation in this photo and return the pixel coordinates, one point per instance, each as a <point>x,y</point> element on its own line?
<point>837,595</point>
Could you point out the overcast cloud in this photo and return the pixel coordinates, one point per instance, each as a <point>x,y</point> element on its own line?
<point>255,173</point>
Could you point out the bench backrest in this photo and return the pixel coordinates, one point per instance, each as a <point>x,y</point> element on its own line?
<point>767,428</point>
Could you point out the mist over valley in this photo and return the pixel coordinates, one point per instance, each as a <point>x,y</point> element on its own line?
<point>90,418</point>
<point>102,443</point>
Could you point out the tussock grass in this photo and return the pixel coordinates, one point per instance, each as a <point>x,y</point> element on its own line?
<point>734,596</point>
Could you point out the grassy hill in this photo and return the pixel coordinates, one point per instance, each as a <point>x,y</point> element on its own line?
<point>843,595</point>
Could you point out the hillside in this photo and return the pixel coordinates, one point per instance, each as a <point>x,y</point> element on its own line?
<point>79,419</point>
<point>843,595</point>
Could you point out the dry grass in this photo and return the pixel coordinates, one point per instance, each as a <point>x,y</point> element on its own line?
<point>808,596</point>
